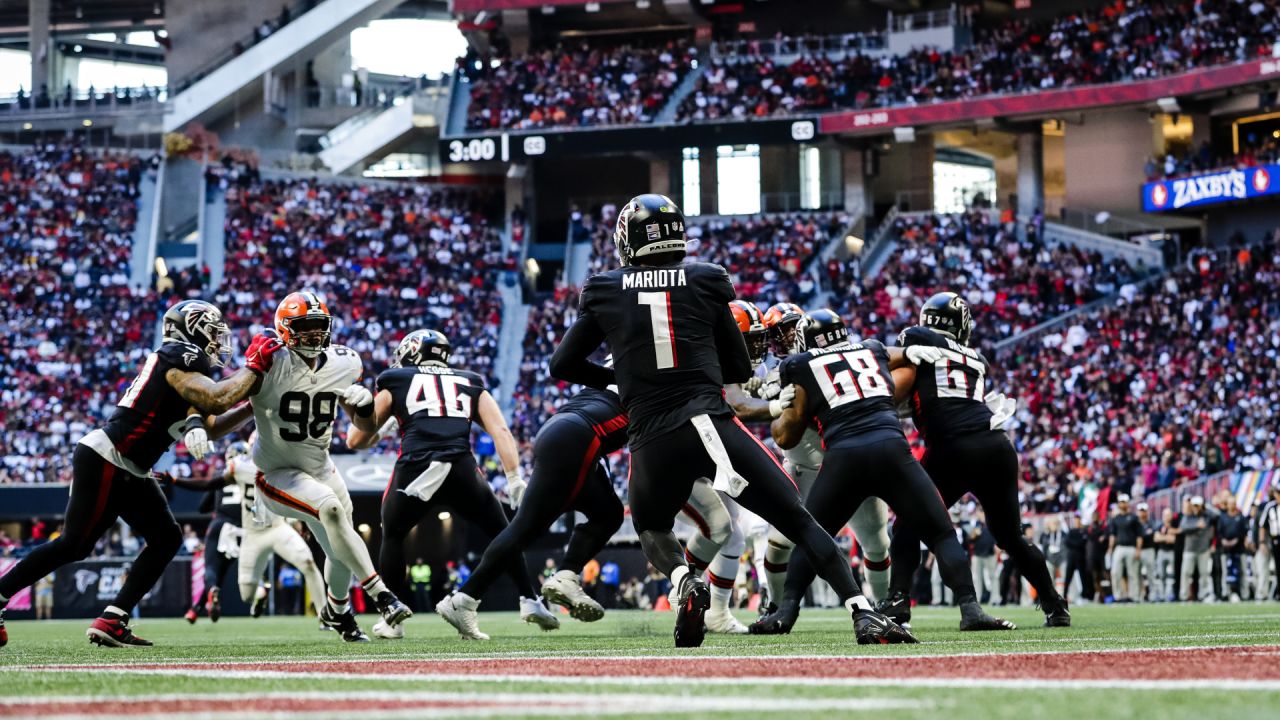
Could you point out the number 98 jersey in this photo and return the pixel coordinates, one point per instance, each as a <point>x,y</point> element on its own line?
<point>296,406</point>
<point>435,407</point>
<point>948,398</point>
<point>848,391</point>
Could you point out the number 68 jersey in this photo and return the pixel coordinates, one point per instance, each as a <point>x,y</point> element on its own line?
<point>435,407</point>
<point>848,392</point>
<point>296,406</point>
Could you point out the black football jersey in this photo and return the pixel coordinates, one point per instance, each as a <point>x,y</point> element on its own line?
<point>229,502</point>
<point>848,392</point>
<point>947,401</point>
<point>149,417</point>
<point>435,407</point>
<point>661,325</point>
<point>603,409</point>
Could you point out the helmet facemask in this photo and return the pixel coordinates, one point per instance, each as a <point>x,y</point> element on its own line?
<point>757,345</point>
<point>309,336</point>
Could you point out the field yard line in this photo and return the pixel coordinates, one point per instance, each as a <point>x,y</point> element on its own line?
<point>602,680</point>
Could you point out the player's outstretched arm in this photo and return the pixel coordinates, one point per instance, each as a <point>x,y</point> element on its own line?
<point>789,428</point>
<point>747,408</point>
<point>490,417</point>
<point>209,397</point>
<point>359,438</point>
<point>569,362</point>
<point>228,422</point>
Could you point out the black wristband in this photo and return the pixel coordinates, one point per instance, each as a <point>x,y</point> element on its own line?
<point>365,410</point>
<point>193,422</point>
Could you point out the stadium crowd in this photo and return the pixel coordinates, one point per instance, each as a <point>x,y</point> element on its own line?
<point>1254,150</point>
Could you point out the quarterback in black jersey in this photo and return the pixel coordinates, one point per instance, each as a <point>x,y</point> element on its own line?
<point>675,344</point>
<point>173,397</point>
<point>569,474</point>
<point>966,451</point>
<point>847,391</point>
<point>435,406</point>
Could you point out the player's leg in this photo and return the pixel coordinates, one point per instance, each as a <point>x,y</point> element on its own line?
<point>255,553</point>
<point>870,525</point>
<point>604,513</point>
<point>289,545</point>
<point>707,511</point>
<point>209,575</point>
<point>404,505</point>
<point>777,554</point>
<point>352,551</point>
<point>721,575</point>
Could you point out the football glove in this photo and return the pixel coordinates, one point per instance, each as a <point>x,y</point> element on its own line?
<point>752,386</point>
<point>257,357</point>
<point>515,489</point>
<point>1002,409</point>
<point>918,354</point>
<point>783,401</point>
<point>197,442</point>
<point>770,390</point>
<point>357,396</point>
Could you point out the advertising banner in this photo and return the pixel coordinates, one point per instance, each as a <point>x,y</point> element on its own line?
<point>1209,189</point>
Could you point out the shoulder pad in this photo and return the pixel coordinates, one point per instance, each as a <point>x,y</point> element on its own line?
<point>916,335</point>
<point>184,356</point>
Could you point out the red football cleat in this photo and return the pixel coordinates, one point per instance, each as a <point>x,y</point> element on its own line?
<point>214,604</point>
<point>191,616</point>
<point>114,632</point>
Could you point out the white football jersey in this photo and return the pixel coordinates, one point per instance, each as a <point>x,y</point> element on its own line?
<point>296,407</point>
<point>253,514</point>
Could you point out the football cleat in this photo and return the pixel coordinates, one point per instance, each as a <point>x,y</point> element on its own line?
<point>691,610</point>
<point>392,610</point>
<point>112,630</point>
<point>214,604</point>
<point>4,634</point>
<point>533,610</point>
<point>387,632</point>
<point>897,607</point>
<point>724,623</point>
<point>973,619</point>
<point>564,589</point>
<point>459,610</point>
<point>259,605</point>
<point>1058,616</point>
<point>191,616</point>
<point>344,623</point>
<point>778,622</point>
<point>872,628</point>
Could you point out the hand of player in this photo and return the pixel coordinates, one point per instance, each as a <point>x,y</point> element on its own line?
<point>197,442</point>
<point>784,400</point>
<point>752,386</point>
<point>257,357</point>
<point>924,354</point>
<point>515,489</point>
<point>770,390</point>
<point>357,396</point>
<point>1002,409</point>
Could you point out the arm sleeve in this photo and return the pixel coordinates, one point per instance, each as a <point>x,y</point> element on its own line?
<point>569,361</point>
<point>735,362</point>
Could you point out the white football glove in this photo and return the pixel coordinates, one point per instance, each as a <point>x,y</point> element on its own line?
<point>924,354</point>
<point>357,396</point>
<point>1002,409</point>
<point>783,401</point>
<point>752,386</point>
<point>770,390</point>
<point>515,489</point>
<point>197,442</point>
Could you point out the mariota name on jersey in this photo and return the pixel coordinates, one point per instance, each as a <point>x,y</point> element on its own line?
<point>666,277</point>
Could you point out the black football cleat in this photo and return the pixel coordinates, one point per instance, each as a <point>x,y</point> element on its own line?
<point>896,607</point>
<point>259,605</point>
<point>872,628</point>
<point>392,610</point>
<point>694,601</point>
<point>974,619</point>
<point>1058,615</point>
<point>112,630</point>
<point>778,621</point>
<point>214,605</point>
<point>345,624</point>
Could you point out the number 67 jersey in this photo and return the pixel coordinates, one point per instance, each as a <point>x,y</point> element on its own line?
<point>848,392</point>
<point>947,401</point>
<point>296,406</point>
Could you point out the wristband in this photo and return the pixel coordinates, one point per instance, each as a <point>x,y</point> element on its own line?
<point>364,411</point>
<point>193,422</point>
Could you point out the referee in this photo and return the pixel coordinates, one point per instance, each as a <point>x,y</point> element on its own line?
<point>1269,529</point>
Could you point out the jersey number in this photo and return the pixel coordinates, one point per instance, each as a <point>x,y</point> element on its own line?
<point>234,494</point>
<point>438,396</point>
<point>960,376</point>
<point>313,414</point>
<point>860,378</point>
<point>664,330</point>
<point>135,388</point>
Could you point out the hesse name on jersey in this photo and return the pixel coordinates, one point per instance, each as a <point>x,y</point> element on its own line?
<point>435,407</point>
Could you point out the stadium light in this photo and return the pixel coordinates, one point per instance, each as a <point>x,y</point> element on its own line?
<point>26,126</point>
<point>87,122</point>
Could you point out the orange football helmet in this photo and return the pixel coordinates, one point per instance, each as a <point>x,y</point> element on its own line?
<point>304,323</point>
<point>780,326</point>
<point>751,322</point>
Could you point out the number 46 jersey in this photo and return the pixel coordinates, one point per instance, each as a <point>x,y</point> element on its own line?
<point>948,398</point>
<point>848,392</point>
<point>296,406</point>
<point>435,407</point>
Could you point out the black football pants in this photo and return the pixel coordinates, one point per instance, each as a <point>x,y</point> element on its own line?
<point>101,493</point>
<point>216,564</point>
<point>986,465</point>
<point>662,475</point>
<point>568,474</point>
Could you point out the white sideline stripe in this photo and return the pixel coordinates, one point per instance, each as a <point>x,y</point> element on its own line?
<point>647,681</point>
<point>543,656</point>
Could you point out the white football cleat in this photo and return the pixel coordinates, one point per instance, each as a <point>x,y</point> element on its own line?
<point>723,622</point>
<point>534,611</point>
<point>387,632</point>
<point>565,589</point>
<point>459,610</point>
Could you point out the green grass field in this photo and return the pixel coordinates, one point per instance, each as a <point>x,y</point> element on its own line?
<point>1119,661</point>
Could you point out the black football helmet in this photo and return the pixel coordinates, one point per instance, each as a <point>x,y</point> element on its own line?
<point>423,347</point>
<point>649,225</point>
<point>198,323</point>
<point>948,313</point>
<point>820,329</point>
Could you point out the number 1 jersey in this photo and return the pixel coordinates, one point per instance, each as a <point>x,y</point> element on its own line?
<point>947,400</point>
<point>848,392</point>
<point>435,407</point>
<point>296,407</point>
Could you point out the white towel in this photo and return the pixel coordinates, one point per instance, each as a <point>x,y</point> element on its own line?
<point>426,484</point>
<point>727,480</point>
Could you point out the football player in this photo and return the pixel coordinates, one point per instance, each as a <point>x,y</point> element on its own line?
<point>569,474</point>
<point>221,540</point>
<point>262,533</point>
<point>294,411</point>
<point>434,406</point>
<point>966,450</point>
<point>870,523</point>
<point>676,345</point>
<point>173,397</point>
<point>847,390</point>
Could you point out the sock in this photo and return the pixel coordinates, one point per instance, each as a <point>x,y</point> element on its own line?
<point>339,605</point>
<point>856,603</point>
<point>877,577</point>
<point>374,585</point>
<point>776,559</point>
<point>677,576</point>
<point>696,564</point>
<point>113,610</point>
<point>721,574</point>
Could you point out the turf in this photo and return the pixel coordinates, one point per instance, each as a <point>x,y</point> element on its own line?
<point>393,672</point>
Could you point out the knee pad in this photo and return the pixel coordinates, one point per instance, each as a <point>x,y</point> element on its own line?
<point>330,510</point>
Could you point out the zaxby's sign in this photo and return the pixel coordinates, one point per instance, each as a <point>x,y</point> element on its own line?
<point>1210,189</point>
